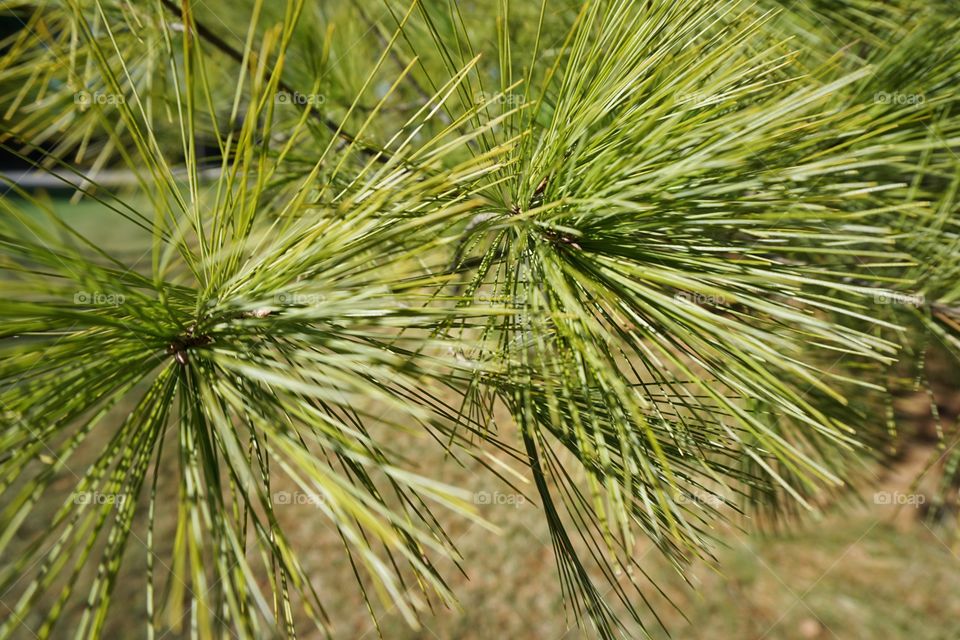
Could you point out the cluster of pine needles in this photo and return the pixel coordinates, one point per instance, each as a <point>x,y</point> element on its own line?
<point>656,264</point>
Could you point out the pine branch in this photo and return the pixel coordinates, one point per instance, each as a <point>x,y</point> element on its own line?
<point>234,54</point>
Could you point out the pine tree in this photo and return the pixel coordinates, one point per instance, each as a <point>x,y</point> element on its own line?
<point>682,244</point>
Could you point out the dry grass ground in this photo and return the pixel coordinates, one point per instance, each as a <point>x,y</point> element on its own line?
<point>867,572</point>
